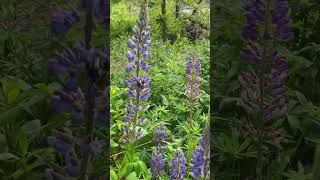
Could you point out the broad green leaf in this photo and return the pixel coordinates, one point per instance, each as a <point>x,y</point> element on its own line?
<point>132,176</point>
<point>32,127</point>
<point>23,143</point>
<point>113,174</point>
<point>8,157</point>
<point>245,144</point>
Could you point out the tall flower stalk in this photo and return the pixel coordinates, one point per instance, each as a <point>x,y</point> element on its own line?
<point>138,85</point>
<point>263,98</point>
<point>192,85</point>
<point>83,93</point>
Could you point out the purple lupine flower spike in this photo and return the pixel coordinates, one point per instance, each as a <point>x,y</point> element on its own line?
<point>270,22</point>
<point>157,163</point>
<point>193,72</point>
<point>197,161</point>
<point>178,168</point>
<point>157,159</point>
<point>161,138</point>
<point>201,156</point>
<point>138,85</point>
<point>72,96</point>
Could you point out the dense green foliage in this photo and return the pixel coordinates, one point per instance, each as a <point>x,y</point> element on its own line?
<point>168,100</point>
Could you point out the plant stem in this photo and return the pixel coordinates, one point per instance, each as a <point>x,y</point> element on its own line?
<point>259,161</point>
<point>137,74</point>
<point>259,168</point>
<point>89,25</point>
<point>90,99</point>
<point>316,164</point>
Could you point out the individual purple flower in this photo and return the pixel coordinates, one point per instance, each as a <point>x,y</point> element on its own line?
<point>129,68</point>
<point>132,43</point>
<point>178,167</point>
<point>143,65</point>
<point>252,54</point>
<point>60,104</point>
<point>130,56</point>
<point>147,55</point>
<point>157,164</point>
<point>77,116</point>
<point>94,148</point>
<point>63,20</point>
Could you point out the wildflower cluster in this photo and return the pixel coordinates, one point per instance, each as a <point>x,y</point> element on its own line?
<point>138,85</point>
<point>267,24</point>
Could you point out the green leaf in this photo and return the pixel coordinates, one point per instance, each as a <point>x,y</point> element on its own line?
<point>165,100</point>
<point>228,102</point>
<point>8,157</point>
<point>302,99</point>
<point>19,173</point>
<point>132,176</point>
<point>113,143</point>
<point>12,95</point>
<point>23,85</point>
<point>245,144</point>
<point>113,174</point>
<point>32,127</point>
<point>294,121</point>
<point>23,143</point>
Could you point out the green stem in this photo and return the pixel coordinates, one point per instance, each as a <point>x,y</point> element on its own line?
<point>90,101</point>
<point>259,162</point>
<point>316,164</point>
<point>259,168</point>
